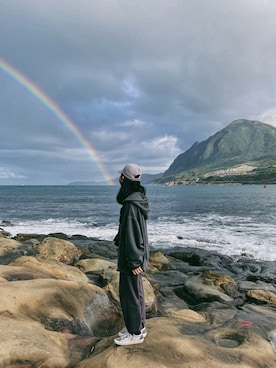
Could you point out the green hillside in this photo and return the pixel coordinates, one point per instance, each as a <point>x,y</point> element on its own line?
<point>243,152</point>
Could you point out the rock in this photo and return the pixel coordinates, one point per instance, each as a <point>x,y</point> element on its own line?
<point>95,265</point>
<point>26,343</point>
<point>110,279</point>
<point>158,260</point>
<point>191,257</point>
<point>11,249</point>
<point>4,234</point>
<point>41,267</point>
<point>216,279</point>
<point>272,337</point>
<point>261,318</point>
<point>258,285</point>
<point>59,236</point>
<point>262,296</point>
<point>203,309</point>
<point>253,270</point>
<point>26,237</point>
<point>264,313</point>
<point>7,246</point>
<point>78,237</point>
<point>59,249</point>
<point>14,273</point>
<point>83,308</point>
<point>167,346</point>
<point>188,316</point>
<point>95,248</point>
<point>150,299</point>
<point>201,289</point>
<point>168,302</point>
<point>6,223</point>
<point>224,282</point>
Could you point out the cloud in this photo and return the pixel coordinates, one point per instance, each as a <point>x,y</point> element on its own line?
<point>159,152</point>
<point>141,80</point>
<point>7,174</point>
<point>268,117</point>
<point>137,139</point>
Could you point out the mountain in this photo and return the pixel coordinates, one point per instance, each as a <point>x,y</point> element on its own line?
<point>77,183</point>
<point>150,178</point>
<point>248,146</point>
<point>146,179</point>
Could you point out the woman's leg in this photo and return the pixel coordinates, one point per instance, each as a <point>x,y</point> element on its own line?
<point>132,301</point>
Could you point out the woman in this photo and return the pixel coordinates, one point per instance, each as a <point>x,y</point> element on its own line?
<point>133,254</point>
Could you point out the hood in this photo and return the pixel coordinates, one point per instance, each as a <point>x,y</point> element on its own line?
<point>141,201</point>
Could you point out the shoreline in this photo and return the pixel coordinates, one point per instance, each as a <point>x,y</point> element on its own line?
<point>6,225</point>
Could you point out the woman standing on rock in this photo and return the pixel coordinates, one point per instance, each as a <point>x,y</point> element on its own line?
<point>133,255</point>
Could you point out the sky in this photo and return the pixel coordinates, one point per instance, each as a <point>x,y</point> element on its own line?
<point>88,86</point>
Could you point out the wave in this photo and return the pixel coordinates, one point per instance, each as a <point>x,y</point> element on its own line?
<point>228,235</point>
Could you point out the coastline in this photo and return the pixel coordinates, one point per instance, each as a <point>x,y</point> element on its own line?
<point>203,308</point>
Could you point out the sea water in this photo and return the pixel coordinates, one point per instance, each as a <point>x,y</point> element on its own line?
<point>229,219</point>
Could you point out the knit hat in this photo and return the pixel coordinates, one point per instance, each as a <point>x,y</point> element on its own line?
<point>132,171</point>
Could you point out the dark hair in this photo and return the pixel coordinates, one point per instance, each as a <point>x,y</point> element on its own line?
<point>128,187</point>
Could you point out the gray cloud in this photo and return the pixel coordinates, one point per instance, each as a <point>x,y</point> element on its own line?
<point>142,81</point>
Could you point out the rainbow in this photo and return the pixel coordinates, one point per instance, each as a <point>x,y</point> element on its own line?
<point>59,114</point>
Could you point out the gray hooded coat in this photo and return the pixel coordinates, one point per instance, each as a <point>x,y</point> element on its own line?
<point>132,238</point>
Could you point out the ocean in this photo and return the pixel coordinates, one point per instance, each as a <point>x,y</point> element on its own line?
<point>230,219</point>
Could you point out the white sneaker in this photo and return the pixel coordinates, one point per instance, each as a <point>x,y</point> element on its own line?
<point>125,331</point>
<point>128,339</point>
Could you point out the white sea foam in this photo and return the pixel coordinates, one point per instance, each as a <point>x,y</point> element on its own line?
<point>231,236</point>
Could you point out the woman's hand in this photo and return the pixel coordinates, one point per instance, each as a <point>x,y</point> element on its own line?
<point>137,271</point>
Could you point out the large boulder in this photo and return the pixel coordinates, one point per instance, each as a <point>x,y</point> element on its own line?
<point>95,265</point>
<point>59,249</point>
<point>52,323</point>
<point>26,343</point>
<point>25,268</point>
<point>10,249</point>
<point>159,260</point>
<point>109,279</point>
<point>83,308</point>
<point>7,245</point>
<point>210,286</point>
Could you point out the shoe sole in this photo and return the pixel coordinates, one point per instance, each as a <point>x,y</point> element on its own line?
<point>121,343</point>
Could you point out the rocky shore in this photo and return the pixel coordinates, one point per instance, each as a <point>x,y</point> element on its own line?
<point>60,307</point>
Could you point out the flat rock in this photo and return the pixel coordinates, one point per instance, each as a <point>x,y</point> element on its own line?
<point>95,265</point>
<point>167,346</point>
<point>258,285</point>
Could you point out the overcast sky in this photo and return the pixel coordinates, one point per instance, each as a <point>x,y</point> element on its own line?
<point>141,81</point>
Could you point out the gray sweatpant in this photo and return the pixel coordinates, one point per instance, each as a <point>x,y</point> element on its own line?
<point>132,300</point>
